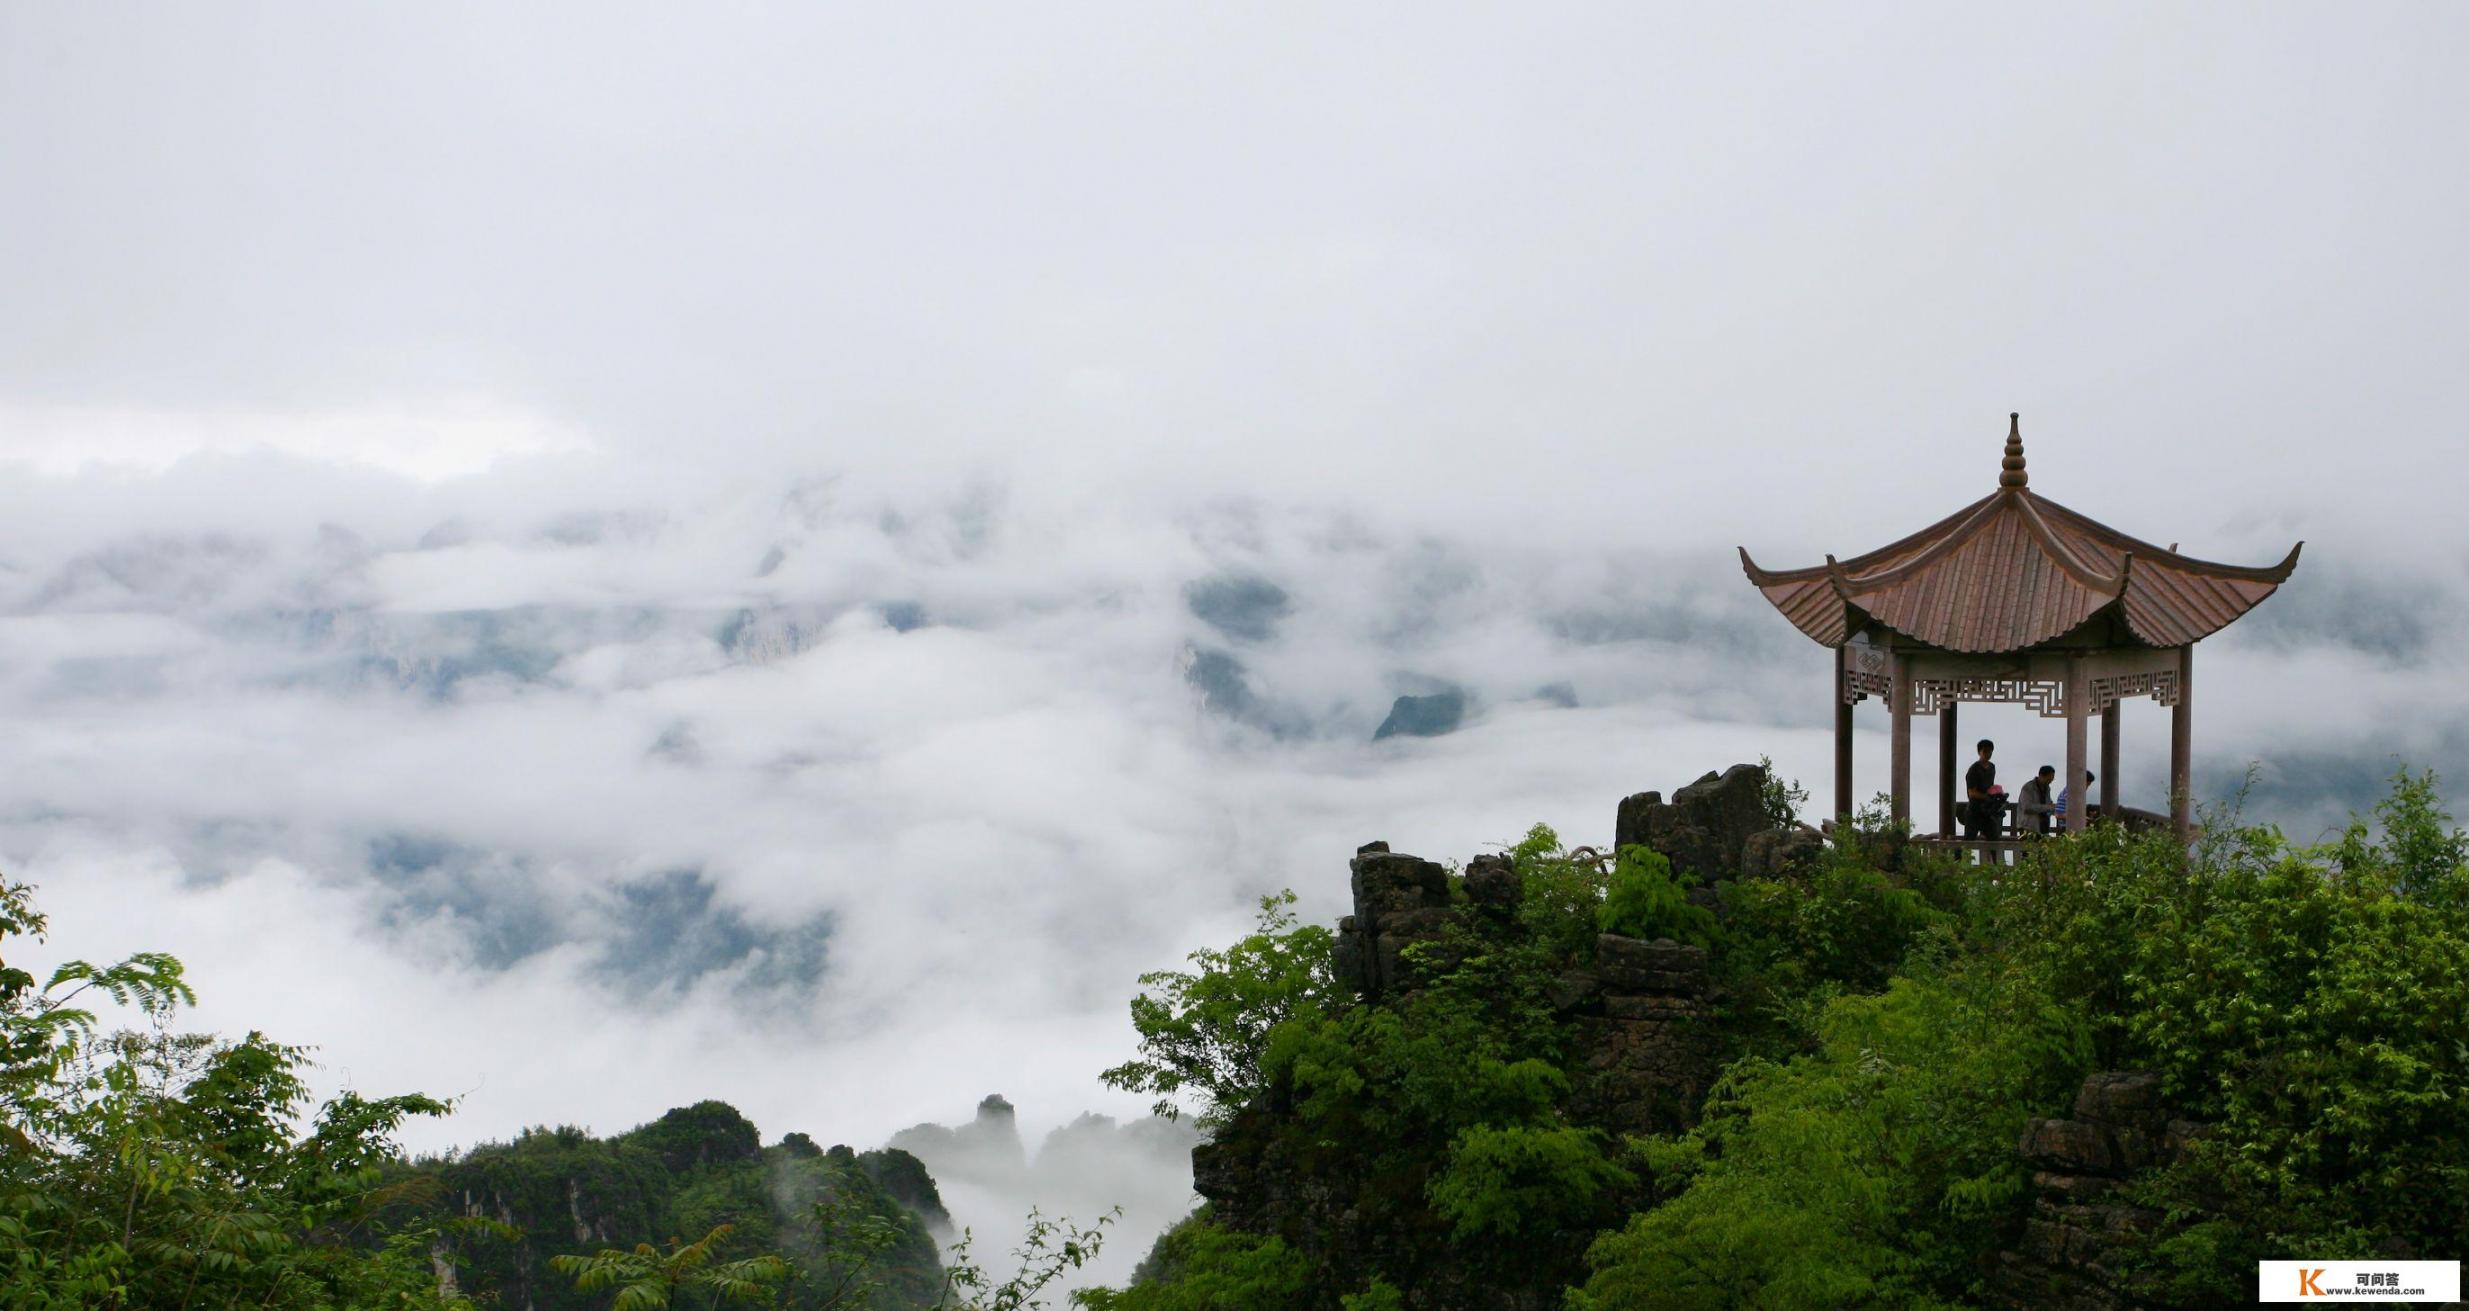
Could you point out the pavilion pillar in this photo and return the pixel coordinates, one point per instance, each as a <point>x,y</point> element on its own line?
<point>1901,700</point>
<point>2078,691</point>
<point>1946,769</point>
<point>1843,736</point>
<point>2182,748</point>
<point>2110,719</point>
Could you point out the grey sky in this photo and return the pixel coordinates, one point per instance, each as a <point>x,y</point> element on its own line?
<point>476,481</point>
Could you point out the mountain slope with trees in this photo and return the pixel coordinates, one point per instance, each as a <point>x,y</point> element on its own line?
<point>2116,1073</point>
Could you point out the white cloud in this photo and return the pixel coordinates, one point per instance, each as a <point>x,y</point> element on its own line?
<point>428,443</point>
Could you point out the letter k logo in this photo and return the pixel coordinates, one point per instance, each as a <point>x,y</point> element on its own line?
<point>2307,1285</point>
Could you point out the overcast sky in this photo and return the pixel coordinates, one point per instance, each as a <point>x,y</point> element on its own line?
<point>530,535</point>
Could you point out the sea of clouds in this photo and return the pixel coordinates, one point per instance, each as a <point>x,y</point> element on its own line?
<point>576,789</point>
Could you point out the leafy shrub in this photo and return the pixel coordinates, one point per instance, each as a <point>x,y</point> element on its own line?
<point>1197,1266</point>
<point>1563,893</point>
<point>1871,1172</point>
<point>1845,923</point>
<point>1779,799</point>
<point>1646,901</point>
<point>1527,1184</point>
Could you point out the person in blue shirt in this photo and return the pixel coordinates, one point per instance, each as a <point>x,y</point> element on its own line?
<point>2064,794</point>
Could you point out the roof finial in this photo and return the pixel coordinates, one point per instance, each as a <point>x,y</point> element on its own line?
<point>2011,471</point>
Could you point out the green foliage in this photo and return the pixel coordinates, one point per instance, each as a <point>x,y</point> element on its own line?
<point>706,1133</point>
<point>2422,856</point>
<point>1778,799</point>
<point>1563,893</point>
<point>161,1169</point>
<point>1197,1266</point>
<point>647,1278</point>
<point>1871,1172</point>
<point>849,1242</point>
<point>2313,1005</point>
<point>1441,1114</point>
<point>1646,901</point>
<point>1204,1033</point>
<point>1846,924</point>
<point>1520,1183</point>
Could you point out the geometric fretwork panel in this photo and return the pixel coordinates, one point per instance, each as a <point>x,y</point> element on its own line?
<point>1859,683</point>
<point>2047,697</point>
<point>2160,685</point>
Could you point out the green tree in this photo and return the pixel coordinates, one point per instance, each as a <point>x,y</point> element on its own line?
<point>152,1168</point>
<point>1203,1032</point>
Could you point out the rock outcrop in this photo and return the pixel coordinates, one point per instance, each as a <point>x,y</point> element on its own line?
<point>2077,1245</point>
<point>1644,1048</point>
<point>1639,1012</point>
<point>1400,900</point>
<point>1705,828</point>
<point>1641,1045</point>
<point>1424,716</point>
<point>987,1148</point>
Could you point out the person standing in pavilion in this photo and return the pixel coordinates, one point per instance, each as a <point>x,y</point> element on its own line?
<point>1985,814</point>
<point>2066,795</point>
<point>2035,811</point>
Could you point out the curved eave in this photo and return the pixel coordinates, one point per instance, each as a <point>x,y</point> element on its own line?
<point>2147,552</point>
<point>2012,571</point>
<point>1890,555</point>
<point>2167,606</point>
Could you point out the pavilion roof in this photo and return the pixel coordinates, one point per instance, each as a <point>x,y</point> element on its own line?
<point>2013,570</point>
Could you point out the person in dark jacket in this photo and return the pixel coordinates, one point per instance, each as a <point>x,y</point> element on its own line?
<point>1984,812</point>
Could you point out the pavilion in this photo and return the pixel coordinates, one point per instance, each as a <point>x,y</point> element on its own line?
<point>2015,598</point>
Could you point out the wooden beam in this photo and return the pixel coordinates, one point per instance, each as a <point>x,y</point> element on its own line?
<point>2078,691</point>
<point>1946,770</point>
<point>2109,722</point>
<point>2182,747</point>
<point>1843,737</point>
<point>1900,699</point>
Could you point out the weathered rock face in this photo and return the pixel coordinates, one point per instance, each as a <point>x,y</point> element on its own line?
<point>1640,1012</point>
<point>2077,1242</point>
<point>1400,900</point>
<point>1645,1053</point>
<point>1705,827</point>
<point>1640,1023</point>
<point>1781,852</point>
<point>1493,884</point>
